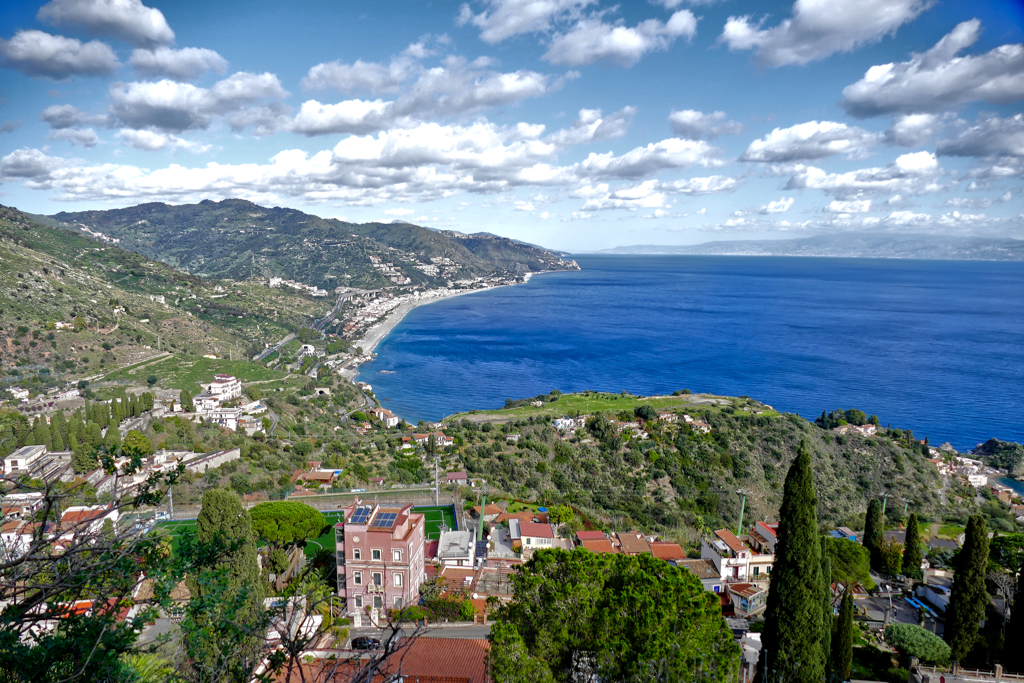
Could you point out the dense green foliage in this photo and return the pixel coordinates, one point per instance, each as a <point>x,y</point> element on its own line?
<point>1013,653</point>
<point>285,522</point>
<point>911,640</point>
<point>611,616</point>
<point>968,596</point>
<point>850,561</point>
<point>873,526</point>
<point>1002,454</point>
<point>792,647</point>
<point>912,549</point>
<point>842,639</point>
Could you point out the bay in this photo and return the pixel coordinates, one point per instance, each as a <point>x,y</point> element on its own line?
<point>933,346</point>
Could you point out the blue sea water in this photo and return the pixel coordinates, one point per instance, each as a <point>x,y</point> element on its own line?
<point>934,346</point>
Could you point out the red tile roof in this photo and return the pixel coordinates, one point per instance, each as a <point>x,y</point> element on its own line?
<point>633,543</point>
<point>591,536</point>
<point>668,551</point>
<point>451,657</point>
<point>603,546</point>
<point>535,530</point>
<point>730,540</point>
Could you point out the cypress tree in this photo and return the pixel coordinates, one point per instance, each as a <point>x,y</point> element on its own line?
<point>842,642</point>
<point>58,425</point>
<point>968,596</point>
<point>792,650</point>
<point>873,534</point>
<point>56,441</point>
<point>1013,657</point>
<point>826,604</point>
<point>912,550</point>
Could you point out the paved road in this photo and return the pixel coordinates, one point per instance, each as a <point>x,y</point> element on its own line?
<point>320,324</point>
<point>270,349</point>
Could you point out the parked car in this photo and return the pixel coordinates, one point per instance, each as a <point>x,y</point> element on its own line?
<point>365,643</point>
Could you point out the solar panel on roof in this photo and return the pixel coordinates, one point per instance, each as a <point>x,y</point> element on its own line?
<point>384,519</point>
<point>360,516</point>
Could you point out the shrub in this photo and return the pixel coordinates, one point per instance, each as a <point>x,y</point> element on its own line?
<point>914,641</point>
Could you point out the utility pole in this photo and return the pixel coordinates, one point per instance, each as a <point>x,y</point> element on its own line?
<point>437,483</point>
<point>743,505</point>
<point>885,499</point>
<point>170,498</point>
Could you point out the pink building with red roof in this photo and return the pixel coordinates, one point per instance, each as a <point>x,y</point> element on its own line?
<point>380,557</point>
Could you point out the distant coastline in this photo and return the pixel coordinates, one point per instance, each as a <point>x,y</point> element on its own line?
<point>850,245</point>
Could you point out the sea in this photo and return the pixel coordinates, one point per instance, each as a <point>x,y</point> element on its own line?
<point>932,346</point>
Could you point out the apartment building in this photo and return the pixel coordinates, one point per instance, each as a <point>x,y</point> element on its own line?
<point>747,558</point>
<point>380,557</point>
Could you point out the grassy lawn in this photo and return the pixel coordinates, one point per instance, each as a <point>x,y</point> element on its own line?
<point>176,530</point>
<point>188,372</point>
<point>594,401</point>
<point>950,531</point>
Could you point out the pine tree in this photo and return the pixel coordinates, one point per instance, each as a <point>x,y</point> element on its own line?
<point>792,650</point>
<point>968,597</point>
<point>226,614</point>
<point>842,641</point>
<point>873,533</point>
<point>912,550</point>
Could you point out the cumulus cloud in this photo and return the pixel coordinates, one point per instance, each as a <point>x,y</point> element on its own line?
<point>650,194</point>
<point>61,116</point>
<point>81,137</point>
<point>670,153</point>
<point>171,106</point>
<point>369,76</point>
<point>591,126</point>
<point>28,164</point>
<point>849,206</point>
<point>35,53</point>
<point>939,78</point>
<point>818,29</point>
<point>990,136</point>
<point>186,64</point>
<point>506,18</point>
<point>779,206</point>
<point>811,140</point>
<point>915,173</point>
<point>128,20</point>
<point>593,40</point>
<point>911,130</point>
<point>9,126</point>
<point>696,125</point>
<point>152,142</point>
<point>456,88</point>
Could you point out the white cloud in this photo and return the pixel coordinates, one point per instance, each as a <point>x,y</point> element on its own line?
<point>990,136</point>
<point>152,142</point>
<point>80,137</point>
<point>700,186</point>
<point>186,64</point>
<point>591,126</point>
<point>128,20</point>
<point>61,116</point>
<point>174,107</point>
<point>456,88</point>
<point>819,28</point>
<point>911,130</point>
<point>506,18</point>
<point>650,159</point>
<point>398,212</point>
<point>9,126</point>
<point>779,206</point>
<point>695,125</point>
<point>977,202</point>
<point>370,76</point>
<point>28,163</point>
<point>593,40</point>
<point>811,140</point>
<point>915,173</point>
<point>523,206</point>
<point>850,206</point>
<point>35,53</point>
<point>650,194</point>
<point>939,78</point>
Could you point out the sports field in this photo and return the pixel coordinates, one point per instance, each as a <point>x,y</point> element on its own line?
<point>435,515</point>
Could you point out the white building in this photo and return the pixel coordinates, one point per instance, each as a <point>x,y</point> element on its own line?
<point>225,387</point>
<point>735,560</point>
<point>457,548</point>
<point>23,459</point>
<point>225,417</point>
<point>18,393</point>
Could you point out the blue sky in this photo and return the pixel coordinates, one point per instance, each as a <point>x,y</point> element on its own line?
<point>576,124</point>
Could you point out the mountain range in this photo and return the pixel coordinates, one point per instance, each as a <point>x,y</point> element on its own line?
<point>852,245</point>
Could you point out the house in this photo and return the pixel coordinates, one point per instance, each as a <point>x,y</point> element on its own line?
<point>670,418</point>
<point>23,459</point>
<point>225,417</point>
<point>603,545</point>
<point>457,548</point>
<point>704,570</point>
<point>379,558</point>
<point>536,535</point>
<point>670,552</point>
<point>734,559</point>
<point>16,537</point>
<point>565,424</point>
<point>747,599</point>
<point>457,477</point>
<point>762,537</point>
<point>320,478</point>
<point>490,513</point>
<point>386,416</point>
<point>582,536</point>
<point>80,520</point>
<point>633,543</point>
<point>844,532</point>
<point>377,481</point>
<point>205,402</point>
<point>863,430</point>
<point>18,393</point>
<point>225,387</point>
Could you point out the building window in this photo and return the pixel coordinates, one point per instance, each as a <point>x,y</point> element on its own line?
<point>757,570</point>
<point>378,601</point>
<point>378,578</point>
<point>374,554</point>
<point>717,589</point>
<point>398,579</point>
<point>396,555</point>
<point>357,554</point>
<point>357,578</point>
<point>359,601</point>
<point>398,603</point>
